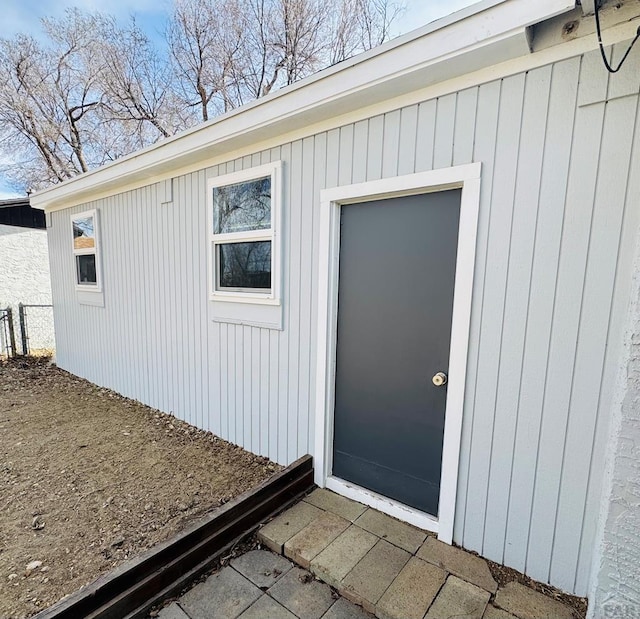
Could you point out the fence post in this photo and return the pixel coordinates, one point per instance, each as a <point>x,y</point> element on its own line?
<point>12,333</point>
<point>23,329</point>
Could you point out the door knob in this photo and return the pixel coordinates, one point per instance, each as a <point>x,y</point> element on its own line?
<point>439,379</point>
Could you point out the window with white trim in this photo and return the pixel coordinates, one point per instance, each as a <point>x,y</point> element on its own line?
<point>86,251</point>
<point>244,210</point>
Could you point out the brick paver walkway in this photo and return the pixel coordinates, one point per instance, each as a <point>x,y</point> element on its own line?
<point>394,570</point>
<point>262,585</point>
<point>353,563</point>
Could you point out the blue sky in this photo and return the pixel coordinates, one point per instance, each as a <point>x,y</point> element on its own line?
<point>24,16</point>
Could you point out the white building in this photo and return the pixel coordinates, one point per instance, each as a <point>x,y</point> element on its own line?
<point>24,272</point>
<point>417,265</point>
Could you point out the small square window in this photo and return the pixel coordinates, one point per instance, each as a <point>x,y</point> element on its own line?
<point>244,212</point>
<point>86,250</point>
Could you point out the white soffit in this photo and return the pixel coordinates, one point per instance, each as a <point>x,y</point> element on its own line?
<point>481,35</point>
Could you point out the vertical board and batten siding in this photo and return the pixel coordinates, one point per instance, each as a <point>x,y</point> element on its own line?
<point>556,231</point>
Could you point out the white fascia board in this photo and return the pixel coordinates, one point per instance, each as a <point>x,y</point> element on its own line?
<point>588,7</point>
<point>484,34</point>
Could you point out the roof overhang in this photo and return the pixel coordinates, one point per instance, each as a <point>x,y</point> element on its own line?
<point>482,35</point>
<point>12,202</point>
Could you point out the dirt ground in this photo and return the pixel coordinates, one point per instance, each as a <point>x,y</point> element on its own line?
<point>89,479</point>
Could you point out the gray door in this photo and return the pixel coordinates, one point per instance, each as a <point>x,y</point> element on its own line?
<point>395,300</point>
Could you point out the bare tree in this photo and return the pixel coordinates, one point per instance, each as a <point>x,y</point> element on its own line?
<point>228,52</point>
<point>135,83</point>
<point>360,25</point>
<point>48,97</point>
<point>92,90</point>
<point>301,36</point>
<point>204,40</point>
<point>90,93</point>
<point>258,64</point>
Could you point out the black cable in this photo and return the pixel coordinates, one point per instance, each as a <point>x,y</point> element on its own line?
<point>604,56</point>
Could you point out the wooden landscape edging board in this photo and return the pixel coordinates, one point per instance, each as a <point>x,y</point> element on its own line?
<point>130,590</point>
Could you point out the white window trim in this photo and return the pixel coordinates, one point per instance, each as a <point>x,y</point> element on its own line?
<point>273,297</point>
<point>97,287</point>
<point>467,178</point>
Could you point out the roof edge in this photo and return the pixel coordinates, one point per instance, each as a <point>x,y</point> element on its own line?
<point>9,202</point>
<point>487,33</point>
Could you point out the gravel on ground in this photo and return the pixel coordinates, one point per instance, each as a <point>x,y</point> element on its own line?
<point>89,479</point>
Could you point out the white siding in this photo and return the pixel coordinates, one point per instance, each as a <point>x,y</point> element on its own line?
<point>555,241</point>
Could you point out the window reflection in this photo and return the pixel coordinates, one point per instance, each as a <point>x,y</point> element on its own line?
<point>242,207</point>
<point>83,233</point>
<point>245,265</point>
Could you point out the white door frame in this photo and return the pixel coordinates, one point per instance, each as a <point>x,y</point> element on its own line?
<point>467,178</point>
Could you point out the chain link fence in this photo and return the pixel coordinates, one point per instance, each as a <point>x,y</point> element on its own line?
<point>29,331</point>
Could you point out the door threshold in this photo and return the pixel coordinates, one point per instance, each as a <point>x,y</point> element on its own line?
<point>403,512</point>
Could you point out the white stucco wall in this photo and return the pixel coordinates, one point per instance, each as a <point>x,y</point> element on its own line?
<point>24,278</point>
<point>616,583</point>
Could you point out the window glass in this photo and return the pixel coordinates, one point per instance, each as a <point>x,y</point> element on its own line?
<point>245,265</point>
<point>242,207</point>
<point>83,233</point>
<point>244,211</point>
<point>86,269</point>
